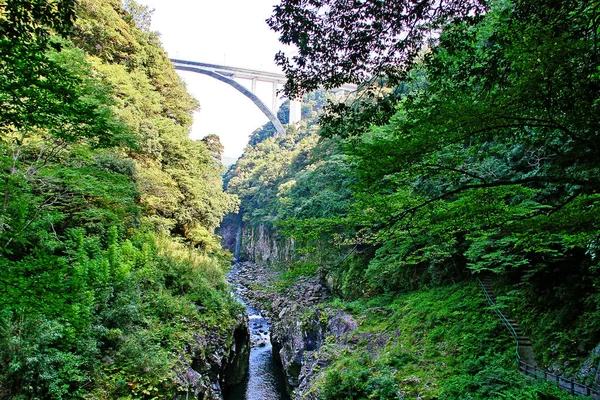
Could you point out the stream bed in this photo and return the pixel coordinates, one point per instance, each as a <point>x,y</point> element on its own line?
<point>265,380</point>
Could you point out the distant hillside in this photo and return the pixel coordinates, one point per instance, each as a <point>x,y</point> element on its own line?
<point>228,161</point>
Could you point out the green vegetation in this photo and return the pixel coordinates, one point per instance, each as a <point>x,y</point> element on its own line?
<point>472,147</point>
<point>472,152</point>
<point>435,343</point>
<point>110,267</point>
<point>269,161</point>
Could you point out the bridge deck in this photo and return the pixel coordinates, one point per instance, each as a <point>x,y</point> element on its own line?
<point>246,73</point>
<point>242,73</point>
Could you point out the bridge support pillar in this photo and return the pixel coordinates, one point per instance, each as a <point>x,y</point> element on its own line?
<point>295,111</point>
<point>253,86</point>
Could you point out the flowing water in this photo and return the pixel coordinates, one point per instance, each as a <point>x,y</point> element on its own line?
<point>265,380</point>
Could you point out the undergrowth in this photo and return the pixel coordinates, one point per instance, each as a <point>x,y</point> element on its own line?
<point>440,343</point>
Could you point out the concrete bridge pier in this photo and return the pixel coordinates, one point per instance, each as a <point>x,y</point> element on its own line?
<point>295,111</point>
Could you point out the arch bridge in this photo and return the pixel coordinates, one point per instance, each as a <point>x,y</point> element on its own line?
<point>230,74</point>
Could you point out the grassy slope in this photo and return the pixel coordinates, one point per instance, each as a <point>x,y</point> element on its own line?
<point>440,343</point>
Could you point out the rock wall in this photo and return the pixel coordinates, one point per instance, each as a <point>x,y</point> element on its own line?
<point>299,334</point>
<point>256,243</point>
<point>300,324</point>
<point>590,371</point>
<point>262,245</point>
<point>229,230</point>
<point>215,361</point>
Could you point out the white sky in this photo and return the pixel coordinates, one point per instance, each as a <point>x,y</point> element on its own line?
<point>224,32</point>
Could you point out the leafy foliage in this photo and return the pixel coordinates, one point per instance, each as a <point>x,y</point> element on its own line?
<point>352,42</point>
<point>107,210</point>
<point>261,177</point>
<point>435,343</point>
<point>484,159</point>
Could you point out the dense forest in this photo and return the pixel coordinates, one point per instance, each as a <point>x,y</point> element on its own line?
<point>470,150</point>
<point>112,280</point>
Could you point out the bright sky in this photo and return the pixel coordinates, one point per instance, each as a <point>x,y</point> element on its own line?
<point>223,32</point>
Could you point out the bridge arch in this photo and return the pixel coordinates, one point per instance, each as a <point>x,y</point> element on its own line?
<point>272,117</point>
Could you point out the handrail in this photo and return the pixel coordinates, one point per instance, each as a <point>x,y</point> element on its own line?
<point>504,320</point>
<point>570,385</point>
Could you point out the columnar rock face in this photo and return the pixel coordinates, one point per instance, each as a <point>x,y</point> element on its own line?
<point>298,327</point>
<point>228,231</point>
<point>261,245</point>
<point>235,366</point>
<point>257,243</point>
<point>218,361</point>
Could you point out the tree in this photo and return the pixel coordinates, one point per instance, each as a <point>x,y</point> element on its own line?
<point>94,158</point>
<point>32,21</point>
<point>213,145</point>
<point>485,158</point>
<point>141,15</point>
<point>353,41</point>
<point>50,100</point>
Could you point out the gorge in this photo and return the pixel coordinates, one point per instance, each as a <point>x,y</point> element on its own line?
<point>382,248</point>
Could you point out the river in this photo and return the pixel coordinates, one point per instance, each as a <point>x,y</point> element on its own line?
<point>265,380</point>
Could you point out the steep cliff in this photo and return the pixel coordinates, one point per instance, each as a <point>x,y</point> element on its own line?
<point>261,244</point>
<point>214,362</point>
